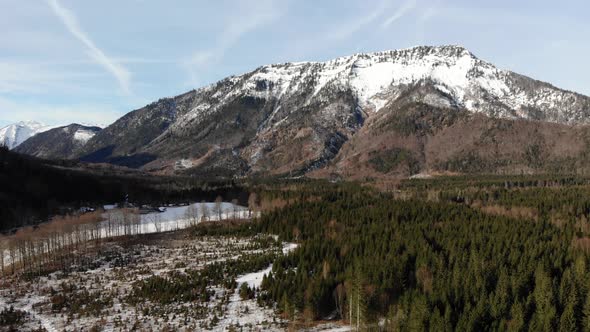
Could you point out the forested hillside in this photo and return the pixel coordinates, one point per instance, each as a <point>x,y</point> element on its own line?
<point>31,189</point>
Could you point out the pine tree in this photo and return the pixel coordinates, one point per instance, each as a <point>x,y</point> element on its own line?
<point>517,320</point>
<point>567,289</point>
<point>395,320</point>
<point>439,323</point>
<point>417,321</point>
<point>580,271</point>
<point>568,322</point>
<point>586,313</point>
<point>501,300</point>
<point>544,301</point>
<point>287,308</point>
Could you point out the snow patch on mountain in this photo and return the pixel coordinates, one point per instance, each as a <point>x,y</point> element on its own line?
<point>83,135</point>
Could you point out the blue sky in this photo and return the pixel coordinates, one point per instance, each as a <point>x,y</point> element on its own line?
<point>64,61</point>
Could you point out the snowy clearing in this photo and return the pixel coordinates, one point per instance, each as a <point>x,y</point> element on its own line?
<point>100,296</point>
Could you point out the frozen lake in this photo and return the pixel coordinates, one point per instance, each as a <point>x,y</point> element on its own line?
<point>174,218</point>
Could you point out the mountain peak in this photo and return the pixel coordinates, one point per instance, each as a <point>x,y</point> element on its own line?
<point>16,133</point>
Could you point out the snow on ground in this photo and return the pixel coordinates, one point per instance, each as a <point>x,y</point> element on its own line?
<point>179,212</point>
<point>183,164</point>
<point>329,327</point>
<point>119,268</point>
<point>289,247</point>
<point>254,315</point>
<point>247,314</point>
<point>421,176</point>
<point>254,280</point>
<point>113,278</point>
<point>107,207</point>
<point>175,218</point>
<point>26,304</point>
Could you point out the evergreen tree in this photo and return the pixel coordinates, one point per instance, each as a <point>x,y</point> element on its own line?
<point>544,301</point>
<point>586,313</point>
<point>396,319</point>
<point>568,322</point>
<point>500,303</point>
<point>439,323</point>
<point>517,320</point>
<point>418,319</point>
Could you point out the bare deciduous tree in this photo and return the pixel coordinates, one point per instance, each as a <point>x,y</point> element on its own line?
<point>252,203</point>
<point>234,203</point>
<point>204,211</point>
<point>192,215</point>
<point>217,208</point>
<point>157,220</point>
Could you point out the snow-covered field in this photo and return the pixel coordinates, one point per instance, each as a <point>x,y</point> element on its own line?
<point>179,217</point>
<point>98,297</point>
<point>117,223</point>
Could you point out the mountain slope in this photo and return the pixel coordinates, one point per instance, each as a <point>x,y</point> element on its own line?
<point>411,137</point>
<point>58,143</point>
<point>13,135</point>
<point>294,118</point>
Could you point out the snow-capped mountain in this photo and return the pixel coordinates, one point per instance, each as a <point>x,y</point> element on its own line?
<point>58,143</point>
<point>377,78</point>
<point>297,117</point>
<point>13,135</point>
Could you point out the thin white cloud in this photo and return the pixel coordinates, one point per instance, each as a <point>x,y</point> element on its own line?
<point>343,31</point>
<point>68,18</point>
<point>405,8</point>
<point>427,14</point>
<point>244,20</point>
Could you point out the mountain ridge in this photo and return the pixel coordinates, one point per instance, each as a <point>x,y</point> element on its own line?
<point>58,143</point>
<point>248,124</point>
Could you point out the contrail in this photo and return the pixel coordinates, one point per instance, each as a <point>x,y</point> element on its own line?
<point>69,20</point>
<point>399,13</point>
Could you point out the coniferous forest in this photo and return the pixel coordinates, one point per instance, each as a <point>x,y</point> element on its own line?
<point>496,254</point>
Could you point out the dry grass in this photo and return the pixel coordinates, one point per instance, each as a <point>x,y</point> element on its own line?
<point>517,212</point>
<point>582,244</point>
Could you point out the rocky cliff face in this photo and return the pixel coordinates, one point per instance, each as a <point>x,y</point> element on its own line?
<point>297,118</point>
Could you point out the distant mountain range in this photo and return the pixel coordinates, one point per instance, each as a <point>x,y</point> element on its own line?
<point>388,114</point>
<point>13,135</point>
